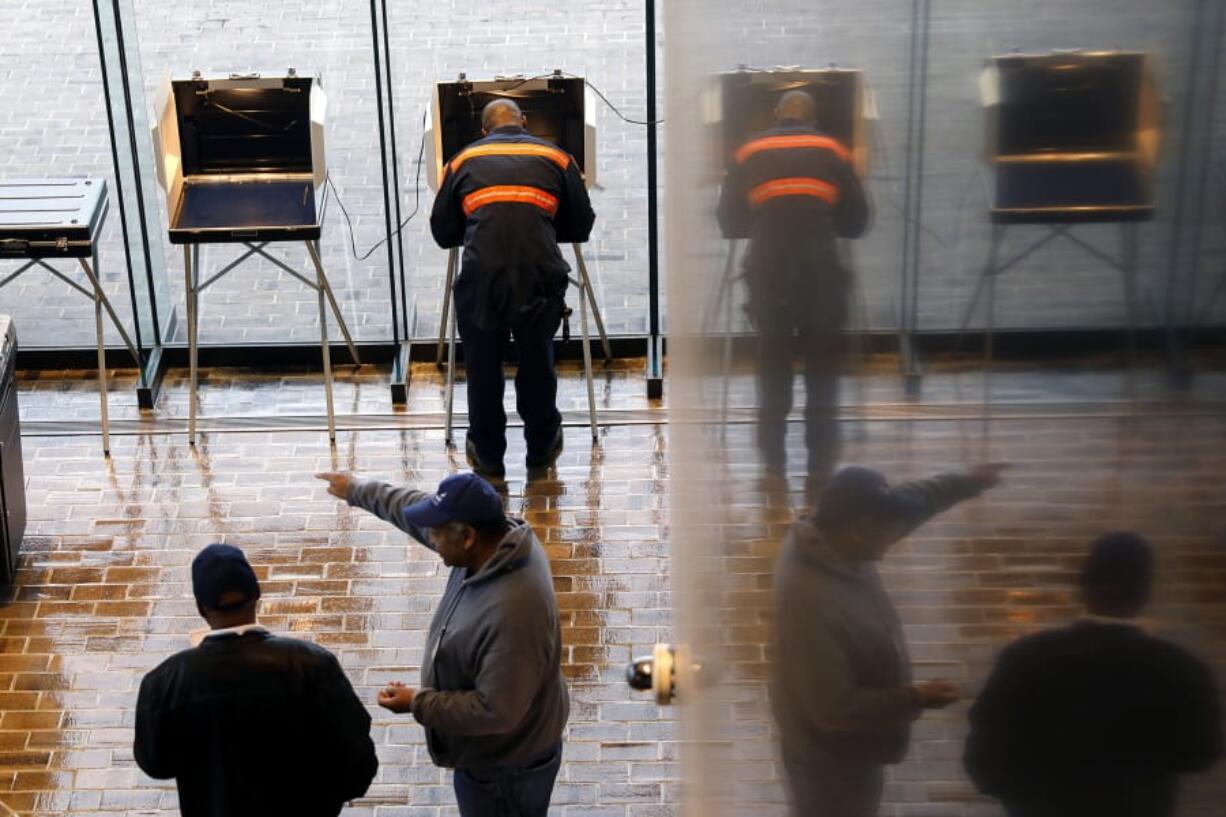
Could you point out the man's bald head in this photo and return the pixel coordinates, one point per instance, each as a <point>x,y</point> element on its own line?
<point>500,113</point>
<point>796,106</point>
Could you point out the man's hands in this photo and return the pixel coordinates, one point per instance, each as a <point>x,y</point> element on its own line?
<point>338,483</point>
<point>936,694</point>
<point>988,474</point>
<point>396,696</point>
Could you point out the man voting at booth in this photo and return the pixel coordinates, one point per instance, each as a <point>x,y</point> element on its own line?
<point>509,199</point>
<point>792,191</point>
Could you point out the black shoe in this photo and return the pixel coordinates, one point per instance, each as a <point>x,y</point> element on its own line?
<point>489,472</point>
<point>538,468</point>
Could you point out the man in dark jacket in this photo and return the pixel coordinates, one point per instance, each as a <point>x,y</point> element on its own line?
<point>250,724</point>
<point>492,696</point>
<point>1099,718</point>
<point>792,191</point>
<point>842,691</point>
<point>509,199</point>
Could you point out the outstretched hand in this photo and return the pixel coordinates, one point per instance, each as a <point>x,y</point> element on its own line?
<point>988,474</point>
<point>937,694</point>
<point>338,483</point>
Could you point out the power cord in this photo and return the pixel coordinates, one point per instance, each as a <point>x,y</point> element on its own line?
<point>595,89</point>
<point>421,152</point>
<point>614,108</point>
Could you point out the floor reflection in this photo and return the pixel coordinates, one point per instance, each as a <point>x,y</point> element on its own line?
<point>103,587</point>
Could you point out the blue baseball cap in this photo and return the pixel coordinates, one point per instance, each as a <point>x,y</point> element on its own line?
<point>219,570</point>
<point>857,492</point>
<point>464,497</point>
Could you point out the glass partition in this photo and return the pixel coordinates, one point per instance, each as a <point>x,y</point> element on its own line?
<point>1203,301</point>
<point>600,41</point>
<point>970,582</point>
<point>257,303</point>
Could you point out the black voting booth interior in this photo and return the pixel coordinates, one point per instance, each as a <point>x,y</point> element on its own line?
<point>1072,137</point>
<point>748,100</point>
<point>553,113</point>
<point>260,134</point>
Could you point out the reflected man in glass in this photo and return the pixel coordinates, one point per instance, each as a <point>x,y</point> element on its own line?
<point>1099,718</point>
<point>842,689</point>
<point>792,191</point>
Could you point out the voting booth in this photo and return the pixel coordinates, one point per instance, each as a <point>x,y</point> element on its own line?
<point>1071,137</point>
<point>45,220</point>
<point>241,159</point>
<point>558,108</point>
<point>744,103</point>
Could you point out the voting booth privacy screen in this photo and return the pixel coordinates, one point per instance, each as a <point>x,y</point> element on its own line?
<point>746,103</point>
<point>559,109</point>
<point>1071,136</point>
<point>241,156</point>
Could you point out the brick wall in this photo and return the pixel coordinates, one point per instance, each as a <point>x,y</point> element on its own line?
<point>53,121</point>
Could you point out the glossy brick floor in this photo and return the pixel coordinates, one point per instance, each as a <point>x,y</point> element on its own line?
<point>103,593</point>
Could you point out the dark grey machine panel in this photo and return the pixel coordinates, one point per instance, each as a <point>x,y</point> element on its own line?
<point>12,472</point>
<point>51,218</point>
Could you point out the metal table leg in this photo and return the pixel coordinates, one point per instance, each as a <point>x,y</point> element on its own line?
<point>317,283</point>
<point>723,303</point>
<point>990,272</point>
<point>860,350</point>
<point>587,364</point>
<point>586,283</point>
<point>102,385</point>
<point>336,310</point>
<point>450,378</point>
<point>1128,266</point>
<point>452,256</point>
<point>102,302</point>
<point>320,290</point>
<point>106,304</point>
<point>191,261</point>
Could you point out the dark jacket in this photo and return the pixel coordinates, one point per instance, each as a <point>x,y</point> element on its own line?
<point>255,725</point>
<point>509,199</point>
<point>792,191</point>
<point>492,691</point>
<point>842,690</point>
<point>1094,719</point>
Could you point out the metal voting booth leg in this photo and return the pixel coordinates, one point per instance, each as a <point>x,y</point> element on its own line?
<point>447,337</point>
<point>722,311</point>
<point>1126,264</point>
<point>725,296</point>
<point>90,268</point>
<point>193,287</point>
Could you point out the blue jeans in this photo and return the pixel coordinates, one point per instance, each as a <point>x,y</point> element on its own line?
<point>508,791</point>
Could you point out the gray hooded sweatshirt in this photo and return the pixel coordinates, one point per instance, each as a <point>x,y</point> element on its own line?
<point>841,690</point>
<point>492,692</point>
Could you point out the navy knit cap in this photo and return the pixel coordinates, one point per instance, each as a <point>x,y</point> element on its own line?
<point>1120,565</point>
<point>221,569</point>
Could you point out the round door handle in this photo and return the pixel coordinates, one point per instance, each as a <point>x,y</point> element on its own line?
<point>656,673</point>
